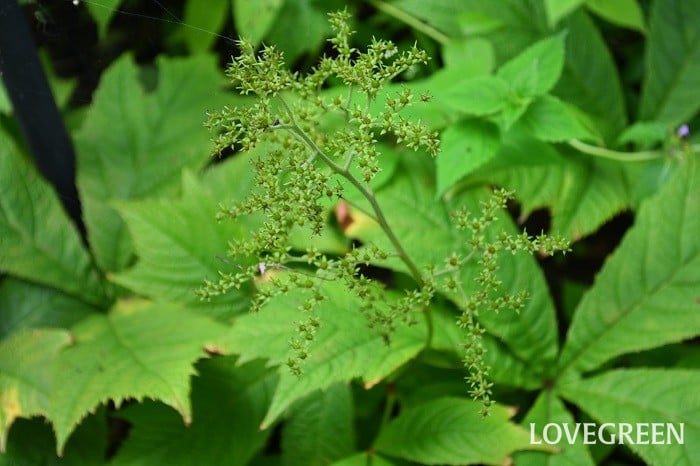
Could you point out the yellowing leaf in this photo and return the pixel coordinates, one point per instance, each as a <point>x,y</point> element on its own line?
<point>136,351</point>
<point>26,363</point>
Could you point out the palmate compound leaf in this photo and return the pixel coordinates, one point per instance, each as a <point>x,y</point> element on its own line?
<point>451,431</point>
<point>646,396</point>
<point>646,295</point>
<point>344,347</point>
<point>26,361</point>
<point>37,240</point>
<point>135,144</point>
<point>228,403</point>
<point>138,350</point>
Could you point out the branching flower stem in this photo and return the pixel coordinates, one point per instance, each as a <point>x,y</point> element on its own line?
<point>368,194</point>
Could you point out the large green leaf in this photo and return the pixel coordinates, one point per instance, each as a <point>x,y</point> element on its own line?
<point>134,144</point>
<point>26,361</point>
<point>444,15</point>
<point>103,11</point>
<point>646,396</point>
<point>670,90</point>
<point>549,119</point>
<point>451,431</point>
<point>590,79</point>
<point>136,351</point>
<point>228,403</point>
<point>480,95</point>
<point>320,429</point>
<point>557,9</point>
<point>37,240</point>
<point>300,26</point>
<point>363,459</point>
<point>27,305</point>
<point>537,69</point>
<point>254,19</point>
<point>626,13</point>
<point>201,19</point>
<point>647,293</point>
<point>344,347</point>
<point>581,193</point>
<point>473,56</point>
<point>32,443</point>
<point>464,146</point>
<point>548,408</point>
<point>179,244</point>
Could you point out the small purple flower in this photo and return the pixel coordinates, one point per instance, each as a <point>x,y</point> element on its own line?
<point>683,131</point>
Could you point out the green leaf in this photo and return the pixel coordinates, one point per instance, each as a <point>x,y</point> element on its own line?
<point>254,19</point>
<point>522,23</point>
<point>646,294</point>
<point>557,9</point>
<point>300,27</point>
<point>202,18</point>
<point>581,193</point>
<point>480,95</point>
<point>179,245</point>
<point>37,240</point>
<point>464,146</point>
<point>590,78</point>
<point>134,145</point>
<point>344,348</point>
<point>625,13</point>
<point>537,69</point>
<point>474,57</point>
<point>103,12</point>
<point>136,351</point>
<point>475,23</point>
<point>646,396</point>
<point>32,443</point>
<point>451,431</point>
<point>26,305</point>
<point>549,119</point>
<point>228,403</point>
<point>363,459</point>
<point>320,428</point>
<point>644,134</point>
<point>508,369</point>
<point>443,15</point>
<point>5,104</point>
<point>548,408</point>
<point>26,360</point>
<point>672,78</point>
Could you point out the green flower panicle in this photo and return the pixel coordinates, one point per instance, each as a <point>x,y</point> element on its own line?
<point>302,162</point>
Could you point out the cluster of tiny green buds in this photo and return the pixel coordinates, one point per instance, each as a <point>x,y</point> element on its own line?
<point>303,158</point>
<point>485,293</point>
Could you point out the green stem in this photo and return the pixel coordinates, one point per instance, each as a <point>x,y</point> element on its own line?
<point>411,20</point>
<point>367,193</point>
<point>613,154</point>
